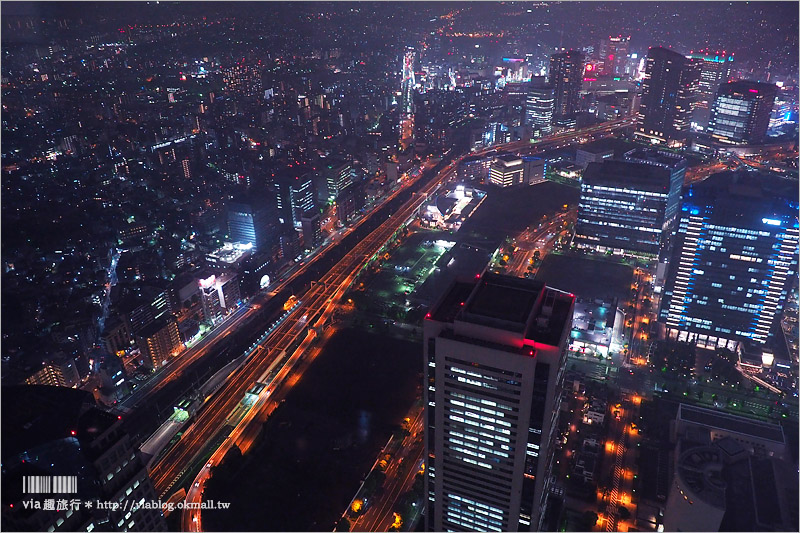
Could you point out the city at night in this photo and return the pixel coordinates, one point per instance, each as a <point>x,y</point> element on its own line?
<point>399,266</point>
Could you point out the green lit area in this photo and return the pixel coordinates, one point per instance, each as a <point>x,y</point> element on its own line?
<point>380,296</point>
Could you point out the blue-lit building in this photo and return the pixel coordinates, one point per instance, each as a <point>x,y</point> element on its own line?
<point>622,207</point>
<point>734,258</point>
<point>253,221</point>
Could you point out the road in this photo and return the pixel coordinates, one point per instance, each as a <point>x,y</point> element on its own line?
<point>530,240</point>
<point>314,308</point>
<point>400,475</point>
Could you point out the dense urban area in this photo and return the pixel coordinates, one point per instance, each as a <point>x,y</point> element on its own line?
<point>399,266</point>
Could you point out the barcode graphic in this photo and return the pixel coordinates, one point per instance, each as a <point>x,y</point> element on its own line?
<point>50,484</point>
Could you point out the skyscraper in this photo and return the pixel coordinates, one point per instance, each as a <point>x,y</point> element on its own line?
<point>566,77</point>
<point>539,108</point>
<point>622,207</point>
<point>734,258</point>
<point>614,54</point>
<point>294,194</point>
<point>668,90</point>
<point>677,172</point>
<point>253,221</point>
<point>495,353</point>
<point>715,69</point>
<point>741,110</point>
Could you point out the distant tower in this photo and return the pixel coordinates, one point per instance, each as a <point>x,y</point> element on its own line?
<point>741,110</point>
<point>668,92</point>
<point>566,77</point>
<point>408,79</point>
<point>539,108</point>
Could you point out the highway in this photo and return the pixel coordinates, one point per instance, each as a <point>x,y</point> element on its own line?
<point>315,308</point>
<point>315,304</point>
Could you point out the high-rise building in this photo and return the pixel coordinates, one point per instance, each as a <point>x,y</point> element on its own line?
<point>495,356</point>
<point>741,112</point>
<point>734,259</point>
<point>614,54</point>
<point>715,70</point>
<point>82,454</point>
<point>294,194</point>
<point>158,341</point>
<point>668,92</point>
<point>253,221</point>
<point>622,207</point>
<point>219,294</point>
<point>539,109</point>
<point>506,170</point>
<point>677,172</point>
<point>187,169</point>
<point>566,77</point>
<point>312,229</point>
<point>338,175</point>
<point>475,168</point>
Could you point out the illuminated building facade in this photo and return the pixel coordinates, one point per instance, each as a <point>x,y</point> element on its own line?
<point>495,355</point>
<point>614,54</point>
<point>734,259</point>
<point>741,112</point>
<point>539,109</point>
<point>253,221</point>
<point>158,341</point>
<point>675,164</point>
<point>668,91</point>
<point>60,371</point>
<point>506,170</point>
<point>714,71</point>
<point>566,77</point>
<point>622,207</point>
<point>338,176</point>
<point>219,295</point>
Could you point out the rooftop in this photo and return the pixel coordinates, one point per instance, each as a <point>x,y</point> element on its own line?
<point>639,175</point>
<point>656,157</point>
<point>733,423</point>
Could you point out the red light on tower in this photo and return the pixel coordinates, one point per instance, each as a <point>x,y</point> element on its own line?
<point>73,432</point>
<point>589,67</point>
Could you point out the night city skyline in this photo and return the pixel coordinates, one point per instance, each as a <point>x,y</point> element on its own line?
<point>399,266</point>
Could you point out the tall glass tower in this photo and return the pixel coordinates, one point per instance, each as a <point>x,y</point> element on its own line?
<point>734,258</point>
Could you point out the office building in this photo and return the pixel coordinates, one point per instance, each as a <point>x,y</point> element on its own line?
<point>614,55</point>
<point>495,355</point>
<point>219,295</point>
<point>675,164</point>
<point>539,108</point>
<point>734,258</point>
<point>312,229</point>
<point>475,168</point>
<point>593,153</point>
<point>668,91</point>
<point>506,170</point>
<point>715,70</point>
<point>294,195</point>
<point>338,175</point>
<point>534,169</point>
<point>622,207</point>
<point>253,221</point>
<point>566,77</point>
<point>56,431</point>
<point>158,342</point>
<point>741,112</point>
